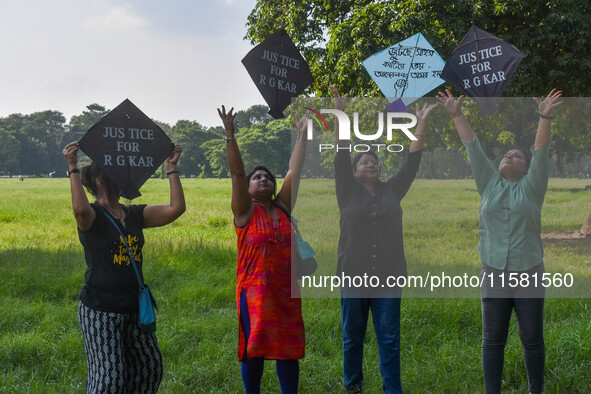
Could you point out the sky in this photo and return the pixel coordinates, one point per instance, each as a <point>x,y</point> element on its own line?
<point>174,59</point>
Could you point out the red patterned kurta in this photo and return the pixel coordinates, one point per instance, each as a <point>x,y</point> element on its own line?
<point>264,272</point>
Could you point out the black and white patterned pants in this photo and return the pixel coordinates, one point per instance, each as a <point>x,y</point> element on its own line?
<point>120,358</point>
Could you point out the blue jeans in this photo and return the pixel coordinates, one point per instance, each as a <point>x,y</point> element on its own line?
<point>385,313</point>
<point>496,313</point>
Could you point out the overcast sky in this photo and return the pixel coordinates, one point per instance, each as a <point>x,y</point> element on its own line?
<point>174,59</point>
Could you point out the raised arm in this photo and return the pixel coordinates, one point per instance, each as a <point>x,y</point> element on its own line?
<point>482,168</point>
<point>83,212</point>
<point>343,170</point>
<point>339,103</point>
<point>422,115</point>
<point>454,107</point>
<point>545,107</point>
<point>289,190</point>
<point>160,215</point>
<point>242,205</point>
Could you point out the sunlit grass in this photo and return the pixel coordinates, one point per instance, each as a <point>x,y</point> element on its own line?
<point>190,266</point>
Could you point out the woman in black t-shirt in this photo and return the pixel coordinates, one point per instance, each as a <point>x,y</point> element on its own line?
<point>119,356</point>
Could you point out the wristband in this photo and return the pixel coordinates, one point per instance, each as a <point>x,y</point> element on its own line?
<point>228,139</point>
<point>73,171</point>
<point>546,116</point>
<point>172,172</point>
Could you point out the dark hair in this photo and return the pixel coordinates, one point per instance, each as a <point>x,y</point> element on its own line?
<point>358,157</point>
<point>526,154</point>
<point>263,168</point>
<point>91,173</point>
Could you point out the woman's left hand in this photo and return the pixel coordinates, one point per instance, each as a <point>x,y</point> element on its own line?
<point>70,152</point>
<point>545,107</point>
<point>302,126</point>
<point>173,159</point>
<point>423,113</point>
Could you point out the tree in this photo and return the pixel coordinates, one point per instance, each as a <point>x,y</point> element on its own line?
<point>79,124</point>
<point>215,153</point>
<point>191,136</point>
<point>45,130</point>
<point>38,136</point>
<point>255,114</point>
<point>9,152</point>
<point>335,36</point>
<point>270,141</point>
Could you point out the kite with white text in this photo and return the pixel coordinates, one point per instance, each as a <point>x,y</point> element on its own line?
<point>279,71</point>
<point>481,67</point>
<point>128,145</point>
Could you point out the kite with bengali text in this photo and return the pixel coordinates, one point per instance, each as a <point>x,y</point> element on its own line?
<point>406,71</point>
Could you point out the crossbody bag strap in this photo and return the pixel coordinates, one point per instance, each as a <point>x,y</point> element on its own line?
<point>131,256</point>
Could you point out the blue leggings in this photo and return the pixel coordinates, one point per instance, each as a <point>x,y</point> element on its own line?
<point>288,371</point>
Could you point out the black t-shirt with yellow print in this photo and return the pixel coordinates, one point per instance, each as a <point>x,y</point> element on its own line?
<point>110,284</point>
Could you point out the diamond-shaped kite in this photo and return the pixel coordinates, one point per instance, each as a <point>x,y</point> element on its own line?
<point>406,71</point>
<point>481,67</point>
<point>278,70</point>
<point>128,145</point>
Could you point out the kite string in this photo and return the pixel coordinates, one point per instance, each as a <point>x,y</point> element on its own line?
<point>410,65</point>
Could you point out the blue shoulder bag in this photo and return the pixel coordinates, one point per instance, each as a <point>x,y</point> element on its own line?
<point>147,303</point>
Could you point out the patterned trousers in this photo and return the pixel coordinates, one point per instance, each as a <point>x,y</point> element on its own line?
<point>120,358</point>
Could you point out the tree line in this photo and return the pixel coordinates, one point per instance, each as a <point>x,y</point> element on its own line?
<point>31,144</point>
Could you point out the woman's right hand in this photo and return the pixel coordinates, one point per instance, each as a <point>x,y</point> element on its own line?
<point>450,103</point>
<point>70,152</point>
<point>228,119</point>
<point>339,102</point>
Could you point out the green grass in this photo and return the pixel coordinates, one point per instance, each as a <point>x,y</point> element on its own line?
<point>190,265</point>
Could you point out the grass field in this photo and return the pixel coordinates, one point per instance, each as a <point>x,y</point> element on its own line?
<point>190,266</point>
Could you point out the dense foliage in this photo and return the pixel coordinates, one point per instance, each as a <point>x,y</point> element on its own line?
<point>335,36</point>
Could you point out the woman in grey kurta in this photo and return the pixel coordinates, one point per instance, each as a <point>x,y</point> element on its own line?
<point>511,199</point>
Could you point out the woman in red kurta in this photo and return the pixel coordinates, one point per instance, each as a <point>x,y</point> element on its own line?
<point>270,320</point>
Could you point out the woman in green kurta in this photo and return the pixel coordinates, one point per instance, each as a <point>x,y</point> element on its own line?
<point>511,199</point>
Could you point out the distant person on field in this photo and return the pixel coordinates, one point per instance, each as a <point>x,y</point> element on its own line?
<point>119,356</point>
<point>511,199</point>
<point>267,293</point>
<point>370,243</point>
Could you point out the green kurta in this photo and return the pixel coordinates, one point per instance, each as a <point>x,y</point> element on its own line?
<point>510,212</point>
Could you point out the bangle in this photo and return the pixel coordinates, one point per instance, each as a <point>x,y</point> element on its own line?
<point>172,172</point>
<point>228,139</point>
<point>549,117</point>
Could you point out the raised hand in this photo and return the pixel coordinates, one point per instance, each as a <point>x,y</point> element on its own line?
<point>423,113</point>
<point>302,126</point>
<point>545,106</point>
<point>173,159</point>
<point>450,103</point>
<point>340,102</point>
<point>228,120</point>
<point>70,152</point>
